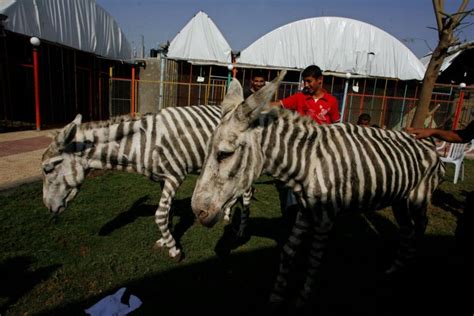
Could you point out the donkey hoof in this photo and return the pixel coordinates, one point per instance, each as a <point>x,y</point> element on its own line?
<point>177,257</point>
<point>159,244</point>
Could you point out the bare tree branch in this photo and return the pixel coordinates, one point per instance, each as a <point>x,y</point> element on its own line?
<point>464,25</point>
<point>464,15</point>
<point>462,8</point>
<point>454,49</point>
<point>437,9</point>
<point>463,12</point>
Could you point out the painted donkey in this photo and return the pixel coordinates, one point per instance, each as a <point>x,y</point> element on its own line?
<point>164,147</point>
<point>332,169</point>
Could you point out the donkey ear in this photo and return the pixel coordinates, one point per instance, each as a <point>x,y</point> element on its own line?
<point>77,119</point>
<point>234,96</point>
<point>67,134</point>
<point>258,101</point>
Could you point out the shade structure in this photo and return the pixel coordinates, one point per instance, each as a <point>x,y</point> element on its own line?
<point>200,40</point>
<point>336,44</point>
<point>80,24</point>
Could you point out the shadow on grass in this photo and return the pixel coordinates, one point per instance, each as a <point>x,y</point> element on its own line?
<point>138,209</point>
<point>180,208</point>
<point>17,279</point>
<point>350,282</point>
<point>465,217</point>
<point>448,202</point>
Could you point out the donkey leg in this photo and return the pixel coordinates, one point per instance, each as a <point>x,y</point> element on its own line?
<point>245,214</point>
<point>320,235</point>
<point>406,249</point>
<point>227,212</point>
<point>168,192</point>
<point>300,229</point>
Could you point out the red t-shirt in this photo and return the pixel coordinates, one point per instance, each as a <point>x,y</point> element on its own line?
<point>323,110</point>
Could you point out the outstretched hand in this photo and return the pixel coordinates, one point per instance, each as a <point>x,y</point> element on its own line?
<point>420,133</point>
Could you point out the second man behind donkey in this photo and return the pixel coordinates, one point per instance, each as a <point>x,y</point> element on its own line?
<point>364,119</point>
<point>257,82</point>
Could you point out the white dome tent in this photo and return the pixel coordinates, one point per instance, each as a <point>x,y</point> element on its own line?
<point>338,45</point>
<point>80,24</point>
<point>200,40</point>
<point>201,55</point>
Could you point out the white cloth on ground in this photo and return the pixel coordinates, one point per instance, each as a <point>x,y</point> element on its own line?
<point>112,306</point>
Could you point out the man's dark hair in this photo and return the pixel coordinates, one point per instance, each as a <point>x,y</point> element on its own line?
<point>312,71</point>
<point>363,117</point>
<point>257,73</point>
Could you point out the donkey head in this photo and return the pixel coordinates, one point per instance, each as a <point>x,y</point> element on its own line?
<point>63,172</point>
<point>234,158</point>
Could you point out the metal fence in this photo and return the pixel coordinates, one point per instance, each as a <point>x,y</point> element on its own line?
<point>390,103</point>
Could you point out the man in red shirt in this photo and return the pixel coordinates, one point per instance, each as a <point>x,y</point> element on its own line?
<point>313,101</point>
<point>322,107</point>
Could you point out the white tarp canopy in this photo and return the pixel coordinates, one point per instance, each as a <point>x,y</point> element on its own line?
<point>200,40</point>
<point>335,44</point>
<point>446,62</point>
<point>80,24</point>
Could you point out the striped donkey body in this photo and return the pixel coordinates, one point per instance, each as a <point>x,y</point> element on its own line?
<point>332,169</point>
<point>164,146</point>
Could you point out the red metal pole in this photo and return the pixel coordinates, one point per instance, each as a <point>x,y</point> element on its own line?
<point>133,93</point>
<point>458,109</point>
<point>36,83</point>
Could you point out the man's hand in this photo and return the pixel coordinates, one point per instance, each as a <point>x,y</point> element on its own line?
<point>420,133</point>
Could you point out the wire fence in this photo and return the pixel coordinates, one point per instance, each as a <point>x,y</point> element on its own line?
<point>389,106</point>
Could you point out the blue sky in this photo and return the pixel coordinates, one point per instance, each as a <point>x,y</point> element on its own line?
<point>244,21</point>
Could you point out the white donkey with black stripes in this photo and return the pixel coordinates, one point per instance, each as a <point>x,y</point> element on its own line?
<point>332,169</point>
<point>164,147</point>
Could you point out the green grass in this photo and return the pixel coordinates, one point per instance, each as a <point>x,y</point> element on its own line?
<point>104,242</point>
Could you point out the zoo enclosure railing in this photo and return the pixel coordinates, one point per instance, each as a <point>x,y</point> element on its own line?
<point>390,103</point>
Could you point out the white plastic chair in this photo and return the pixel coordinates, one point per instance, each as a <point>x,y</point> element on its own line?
<point>455,156</point>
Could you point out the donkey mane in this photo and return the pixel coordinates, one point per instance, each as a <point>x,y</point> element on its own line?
<point>57,147</point>
<point>290,116</point>
<point>112,121</point>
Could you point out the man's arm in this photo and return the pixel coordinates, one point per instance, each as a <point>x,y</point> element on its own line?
<point>275,103</point>
<point>290,102</point>
<point>449,136</point>
<point>334,112</point>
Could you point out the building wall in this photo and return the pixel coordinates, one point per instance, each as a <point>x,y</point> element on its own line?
<point>149,90</point>
<point>70,82</point>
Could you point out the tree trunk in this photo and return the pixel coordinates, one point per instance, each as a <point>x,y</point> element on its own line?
<point>446,26</point>
<point>429,81</point>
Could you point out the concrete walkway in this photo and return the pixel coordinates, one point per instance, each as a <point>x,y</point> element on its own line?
<point>20,156</point>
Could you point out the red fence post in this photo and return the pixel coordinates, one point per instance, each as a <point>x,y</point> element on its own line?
<point>132,99</point>
<point>459,105</point>
<point>36,42</point>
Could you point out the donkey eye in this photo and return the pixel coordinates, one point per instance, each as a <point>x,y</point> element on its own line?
<point>221,155</point>
<point>48,168</point>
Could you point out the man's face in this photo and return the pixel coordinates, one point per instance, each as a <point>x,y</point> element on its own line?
<point>312,85</point>
<point>257,83</point>
<point>364,122</point>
